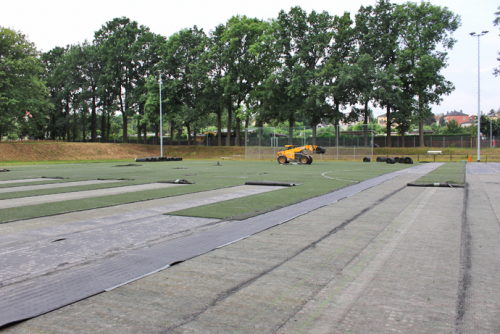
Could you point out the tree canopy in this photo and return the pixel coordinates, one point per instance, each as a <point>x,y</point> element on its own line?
<point>309,67</point>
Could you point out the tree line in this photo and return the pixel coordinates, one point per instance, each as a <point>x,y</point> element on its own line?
<point>309,67</point>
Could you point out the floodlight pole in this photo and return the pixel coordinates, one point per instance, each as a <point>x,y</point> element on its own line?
<point>473,34</point>
<point>161,120</point>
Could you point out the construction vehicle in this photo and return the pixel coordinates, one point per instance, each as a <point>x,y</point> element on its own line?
<point>298,154</point>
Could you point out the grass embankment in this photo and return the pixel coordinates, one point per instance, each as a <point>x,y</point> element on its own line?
<point>317,179</point>
<point>50,151</point>
<point>40,152</point>
<point>453,173</point>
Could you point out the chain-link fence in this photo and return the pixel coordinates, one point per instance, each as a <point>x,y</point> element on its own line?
<point>340,144</point>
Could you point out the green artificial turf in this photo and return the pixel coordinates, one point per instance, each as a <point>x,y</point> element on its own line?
<point>206,174</point>
<point>450,172</point>
<point>313,184</point>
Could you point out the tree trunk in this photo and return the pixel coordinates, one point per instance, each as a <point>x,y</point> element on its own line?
<point>93,119</point>
<point>103,121</point>
<point>237,130</point>
<point>171,134</point>
<point>83,124</point>
<point>389,140</point>
<point>420,127</point>
<point>124,117</point>
<point>421,133</point>
<point>139,127</point>
<point>108,125</point>
<point>291,123</point>
<point>125,125</point>
<point>66,118</point>
<point>314,133</point>
<point>229,121</point>
<point>365,122</point>
<point>188,127</point>
<point>259,125</point>
<point>75,124</point>
<point>145,133</point>
<point>219,128</point>
<point>179,137</point>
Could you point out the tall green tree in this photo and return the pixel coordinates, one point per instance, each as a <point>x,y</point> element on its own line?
<point>425,36</point>
<point>379,31</point>
<point>496,22</point>
<point>241,73</point>
<point>118,40</point>
<point>183,90</point>
<point>301,44</point>
<point>23,94</point>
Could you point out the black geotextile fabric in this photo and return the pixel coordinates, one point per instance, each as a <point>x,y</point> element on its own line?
<point>31,298</point>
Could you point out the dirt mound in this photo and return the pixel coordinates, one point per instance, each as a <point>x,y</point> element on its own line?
<point>62,151</point>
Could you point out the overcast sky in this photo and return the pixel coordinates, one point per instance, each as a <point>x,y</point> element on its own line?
<point>50,23</point>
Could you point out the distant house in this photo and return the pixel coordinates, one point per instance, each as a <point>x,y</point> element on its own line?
<point>382,120</point>
<point>495,116</point>
<point>468,123</point>
<point>458,116</point>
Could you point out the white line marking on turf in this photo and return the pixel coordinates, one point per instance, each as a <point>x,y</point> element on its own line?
<point>336,178</point>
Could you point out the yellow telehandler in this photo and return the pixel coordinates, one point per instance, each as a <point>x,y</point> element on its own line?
<point>298,154</point>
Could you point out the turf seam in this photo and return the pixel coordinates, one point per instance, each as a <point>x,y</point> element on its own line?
<point>465,266</point>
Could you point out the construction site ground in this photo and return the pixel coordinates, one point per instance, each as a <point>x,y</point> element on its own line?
<point>388,259</point>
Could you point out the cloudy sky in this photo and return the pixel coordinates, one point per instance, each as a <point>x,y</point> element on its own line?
<point>50,23</point>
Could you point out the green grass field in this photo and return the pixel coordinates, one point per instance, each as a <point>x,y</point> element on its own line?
<point>448,173</point>
<point>316,179</point>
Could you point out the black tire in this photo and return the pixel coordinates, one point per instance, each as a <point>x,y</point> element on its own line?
<point>366,159</point>
<point>408,161</point>
<point>310,160</point>
<point>281,160</point>
<point>390,161</point>
<point>381,159</point>
<point>396,159</point>
<point>303,159</point>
